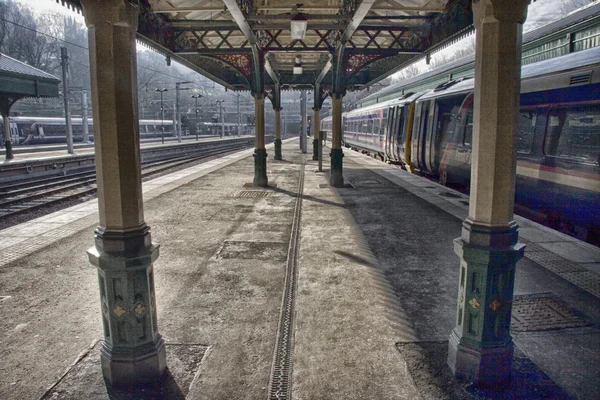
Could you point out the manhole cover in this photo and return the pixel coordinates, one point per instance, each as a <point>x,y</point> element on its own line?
<point>542,313</point>
<point>272,251</point>
<point>252,193</point>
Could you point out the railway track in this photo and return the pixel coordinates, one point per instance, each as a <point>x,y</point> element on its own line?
<point>21,198</point>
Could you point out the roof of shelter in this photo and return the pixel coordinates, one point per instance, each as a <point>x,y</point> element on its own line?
<point>348,43</point>
<point>18,79</point>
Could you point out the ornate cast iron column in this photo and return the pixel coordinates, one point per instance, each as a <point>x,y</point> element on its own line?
<point>336,177</point>
<point>277,134</point>
<point>260,154</point>
<point>480,346</point>
<point>132,350</point>
<point>316,128</point>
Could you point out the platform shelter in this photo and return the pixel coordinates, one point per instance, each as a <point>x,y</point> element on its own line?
<point>17,81</point>
<point>329,47</point>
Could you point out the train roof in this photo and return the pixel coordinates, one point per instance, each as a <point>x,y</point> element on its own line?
<point>409,97</point>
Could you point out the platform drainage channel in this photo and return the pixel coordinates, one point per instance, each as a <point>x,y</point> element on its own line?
<point>252,193</point>
<point>541,312</point>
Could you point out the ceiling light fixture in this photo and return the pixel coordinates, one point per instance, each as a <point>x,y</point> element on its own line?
<point>298,24</point>
<point>297,66</point>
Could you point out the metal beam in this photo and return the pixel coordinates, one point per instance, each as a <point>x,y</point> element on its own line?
<point>359,15</point>
<point>240,20</point>
<point>271,73</point>
<point>325,70</point>
<point>280,7</point>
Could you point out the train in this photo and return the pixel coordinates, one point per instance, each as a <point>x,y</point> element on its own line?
<point>35,130</point>
<point>557,141</point>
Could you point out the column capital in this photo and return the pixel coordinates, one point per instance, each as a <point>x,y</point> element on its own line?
<point>113,12</point>
<point>501,10</point>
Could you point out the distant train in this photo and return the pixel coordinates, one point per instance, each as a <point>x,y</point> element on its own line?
<point>47,130</point>
<point>557,142</point>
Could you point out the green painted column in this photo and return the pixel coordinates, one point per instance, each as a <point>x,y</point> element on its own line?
<point>7,142</point>
<point>260,154</point>
<point>480,345</point>
<point>132,351</point>
<point>336,177</point>
<point>277,134</point>
<point>316,127</point>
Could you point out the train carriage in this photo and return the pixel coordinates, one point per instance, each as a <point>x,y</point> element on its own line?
<point>557,140</point>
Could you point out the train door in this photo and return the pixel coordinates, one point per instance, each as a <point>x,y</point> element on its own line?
<point>389,130</point>
<point>416,135</point>
<point>464,145</point>
<point>398,133</point>
<point>421,133</point>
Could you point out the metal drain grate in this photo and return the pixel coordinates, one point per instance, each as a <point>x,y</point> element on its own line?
<point>365,182</point>
<point>252,193</point>
<point>542,313</point>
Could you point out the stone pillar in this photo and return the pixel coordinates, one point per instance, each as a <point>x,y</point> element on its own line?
<point>316,127</point>
<point>132,351</point>
<point>277,134</point>
<point>336,178</point>
<point>260,154</point>
<point>480,346</point>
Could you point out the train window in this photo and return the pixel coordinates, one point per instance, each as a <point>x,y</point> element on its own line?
<point>526,130</point>
<point>573,132</point>
<point>468,137</point>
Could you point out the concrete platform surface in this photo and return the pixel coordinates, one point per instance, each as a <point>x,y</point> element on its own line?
<point>372,273</point>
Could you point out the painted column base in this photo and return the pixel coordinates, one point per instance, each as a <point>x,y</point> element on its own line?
<point>485,367</point>
<point>316,150</point>
<point>121,367</point>
<point>336,177</point>
<point>260,168</point>
<point>480,348</point>
<point>132,351</point>
<point>277,150</point>
<point>9,152</point>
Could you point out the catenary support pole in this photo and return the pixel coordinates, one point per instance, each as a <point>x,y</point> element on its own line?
<point>84,116</point>
<point>64,56</point>
<point>132,351</point>
<point>480,345</point>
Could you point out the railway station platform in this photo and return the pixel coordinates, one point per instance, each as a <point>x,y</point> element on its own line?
<point>299,290</point>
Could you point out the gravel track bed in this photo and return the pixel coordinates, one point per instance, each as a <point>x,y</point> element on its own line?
<point>40,212</point>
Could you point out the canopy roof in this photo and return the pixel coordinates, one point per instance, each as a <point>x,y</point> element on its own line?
<point>18,79</point>
<point>349,44</point>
